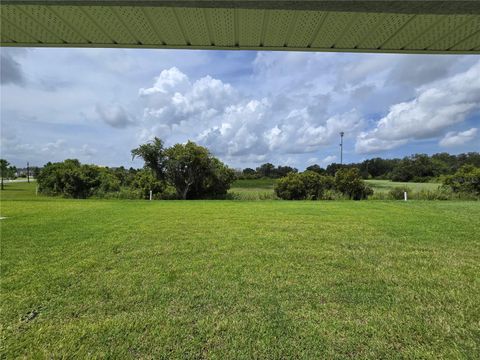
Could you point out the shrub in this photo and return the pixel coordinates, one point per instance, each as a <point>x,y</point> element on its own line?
<point>466,180</point>
<point>307,185</point>
<point>349,182</point>
<point>69,179</point>
<point>144,181</point>
<point>291,187</point>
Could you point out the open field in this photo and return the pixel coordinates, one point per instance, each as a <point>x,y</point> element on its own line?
<point>226,279</point>
<point>261,189</point>
<point>254,189</point>
<point>386,185</point>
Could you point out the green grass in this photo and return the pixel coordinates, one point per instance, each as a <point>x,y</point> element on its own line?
<point>238,280</point>
<point>253,189</point>
<point>386,185</point>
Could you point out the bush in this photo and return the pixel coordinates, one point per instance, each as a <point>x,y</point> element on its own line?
<point>144,181</point>
<point>68,179</point>
<point>466,180</point>
<point>291,187</point>
<point>349,182</point>
<point>307,185</point>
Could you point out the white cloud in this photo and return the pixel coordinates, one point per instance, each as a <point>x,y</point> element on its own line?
<point>248,108</point>
<point>435,108</point>
<point>453,138</point>
<point>174,98</point>
<point>115,115</point>
<point>54,147</point>
<point>329,159</point>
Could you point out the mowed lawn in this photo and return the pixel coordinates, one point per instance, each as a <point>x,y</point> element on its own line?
<point>238,279</point>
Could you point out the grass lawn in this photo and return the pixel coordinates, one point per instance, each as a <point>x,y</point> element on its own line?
<point>238,280</point>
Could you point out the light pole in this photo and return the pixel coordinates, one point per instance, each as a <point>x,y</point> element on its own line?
<point>341,147</point>
<point>28,172</point>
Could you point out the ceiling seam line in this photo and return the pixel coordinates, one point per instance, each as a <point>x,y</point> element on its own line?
<point>92,20</point>
<point>465,39</point>
<point>118,17</point>
<point>210,34</point>
<point>429,29</point>
<point>181,27</point>
<point>345,31</point>
<point>21,30</point>
<point>265,21</point>
<point>318,29</point>
<point>236,27</point>
<point>370,30</point>
<point>72,28</point>
<point>292,26</point>
<point>447,34</point>
<point>41,25</point>
<point>150,23</point>
<point>398,31</point>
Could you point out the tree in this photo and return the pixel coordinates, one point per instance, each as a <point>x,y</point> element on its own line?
<point>248,171</point>
<point>145,181</point>
<point>153,154</point>
<point>282,171</point>
<point>195,173</point>
<point>466,179</point>
<point>4,170</point>
<point>266,170</point>
<point>350,183</point>
<point>316,168</point>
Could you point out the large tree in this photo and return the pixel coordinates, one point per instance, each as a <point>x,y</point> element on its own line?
<point>153,154</point>
<point>195,173</point>
<point>191,169</point>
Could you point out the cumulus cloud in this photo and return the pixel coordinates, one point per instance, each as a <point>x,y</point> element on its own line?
<point>247,109</point>
<point>115,115</point>
<point>435,108</point>
<point>173,98</point>
<point>232,124</point>
<point>453,138</point>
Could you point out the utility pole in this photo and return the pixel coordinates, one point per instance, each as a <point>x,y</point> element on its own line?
<point>341,147</point>
<point>28,172</point>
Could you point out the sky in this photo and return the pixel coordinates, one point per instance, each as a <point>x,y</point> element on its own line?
<point>246,107</point>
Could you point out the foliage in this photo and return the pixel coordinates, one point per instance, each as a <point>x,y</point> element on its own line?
<point>350,183</point>
<point>397,193</point>
<point>153,154</point>
<point>144,181</point>
<point>299,186</point>
<point>316,168</point>
<point>6,171</point>
<point>74,180</point>
<point>466,179</point>
<point>195,173</point>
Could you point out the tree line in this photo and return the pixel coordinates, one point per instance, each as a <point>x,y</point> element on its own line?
<point>182,171</point>
<point>413,168</point>
<point>190,171</point>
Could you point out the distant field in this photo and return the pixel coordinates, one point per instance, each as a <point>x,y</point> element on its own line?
<point>258,189</point>
<point>386,185</point>
<point>238,280</point>
<point>253,189</point>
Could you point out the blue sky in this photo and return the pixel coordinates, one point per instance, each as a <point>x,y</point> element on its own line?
<point>247,107</point>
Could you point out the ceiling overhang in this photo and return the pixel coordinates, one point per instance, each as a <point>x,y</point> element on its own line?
<point>421,26</point>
